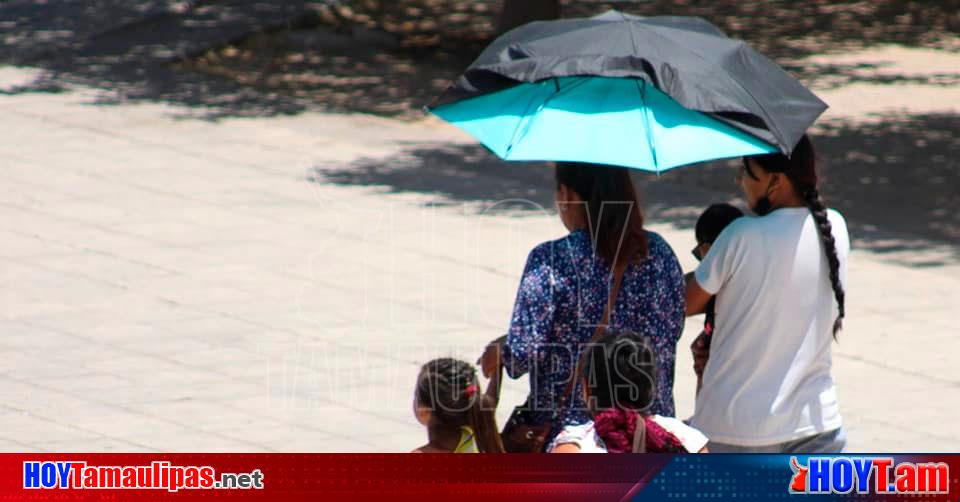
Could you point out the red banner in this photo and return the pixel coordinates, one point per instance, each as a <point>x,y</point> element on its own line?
<point>487,478</point>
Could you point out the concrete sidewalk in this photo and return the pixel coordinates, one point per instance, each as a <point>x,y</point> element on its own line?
<point>272,284</point>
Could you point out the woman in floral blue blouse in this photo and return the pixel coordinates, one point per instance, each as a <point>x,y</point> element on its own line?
<point>566,285</point>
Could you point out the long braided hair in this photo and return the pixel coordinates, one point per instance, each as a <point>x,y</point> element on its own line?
<point>449,389</point>
<point>801,168</point>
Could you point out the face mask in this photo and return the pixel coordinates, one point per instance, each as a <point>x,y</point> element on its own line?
<point>763,206</point>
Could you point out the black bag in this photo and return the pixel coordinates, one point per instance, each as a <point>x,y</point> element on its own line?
<point>521,435</point>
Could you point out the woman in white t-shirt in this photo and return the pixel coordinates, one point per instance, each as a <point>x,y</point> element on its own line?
<point>779,281</point>
<point>619,380</point>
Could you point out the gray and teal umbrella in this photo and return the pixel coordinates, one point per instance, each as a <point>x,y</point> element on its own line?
<point>649,93</point>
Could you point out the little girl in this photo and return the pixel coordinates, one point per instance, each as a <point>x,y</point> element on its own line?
<point>619,385</point>
<point>458,416</point>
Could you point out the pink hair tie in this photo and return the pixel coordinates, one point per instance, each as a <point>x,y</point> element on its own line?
<point>471,390</point>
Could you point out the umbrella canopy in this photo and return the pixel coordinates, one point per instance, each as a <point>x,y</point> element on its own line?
<point>617,121</point>
<point>675,89</point>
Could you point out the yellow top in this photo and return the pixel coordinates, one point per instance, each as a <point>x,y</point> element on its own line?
<point>468,442</point>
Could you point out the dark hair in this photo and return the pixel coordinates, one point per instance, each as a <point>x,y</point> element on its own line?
<point>613,209</point>
<point>449,389</point>
<point>620,378</point>
<point>713,220</point>
<point>619,371</point>
<point>801,168</point>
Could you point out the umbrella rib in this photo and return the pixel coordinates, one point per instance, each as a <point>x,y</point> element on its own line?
<point>642,89</point>
<point>526,122</point>
<point>520,123</point>
<point>633,39</point>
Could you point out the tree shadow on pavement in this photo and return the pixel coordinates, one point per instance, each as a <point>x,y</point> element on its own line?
<point>359,72</point>
<point>869,172</point>
<point>125,48</point>
<point>392,58</point>
<point>227,58</point>
<point>453,173</point>
<point>823,76</point>
<point>896,172</point>
<point>785,29</point>
<point>779,28</point>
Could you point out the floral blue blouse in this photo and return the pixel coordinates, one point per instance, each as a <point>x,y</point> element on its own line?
<point>561,298</point>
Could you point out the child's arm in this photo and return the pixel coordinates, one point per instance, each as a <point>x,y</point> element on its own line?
<point>566,448</point>
<point>697,298</point>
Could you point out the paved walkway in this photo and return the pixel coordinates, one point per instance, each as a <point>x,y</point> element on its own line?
<point>273,284</point>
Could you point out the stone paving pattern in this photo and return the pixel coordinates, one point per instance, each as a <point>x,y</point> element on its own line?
<point>188,285</point>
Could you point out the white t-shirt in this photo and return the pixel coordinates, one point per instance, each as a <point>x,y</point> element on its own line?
<point>585,436</point>
<point>768,377</point>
